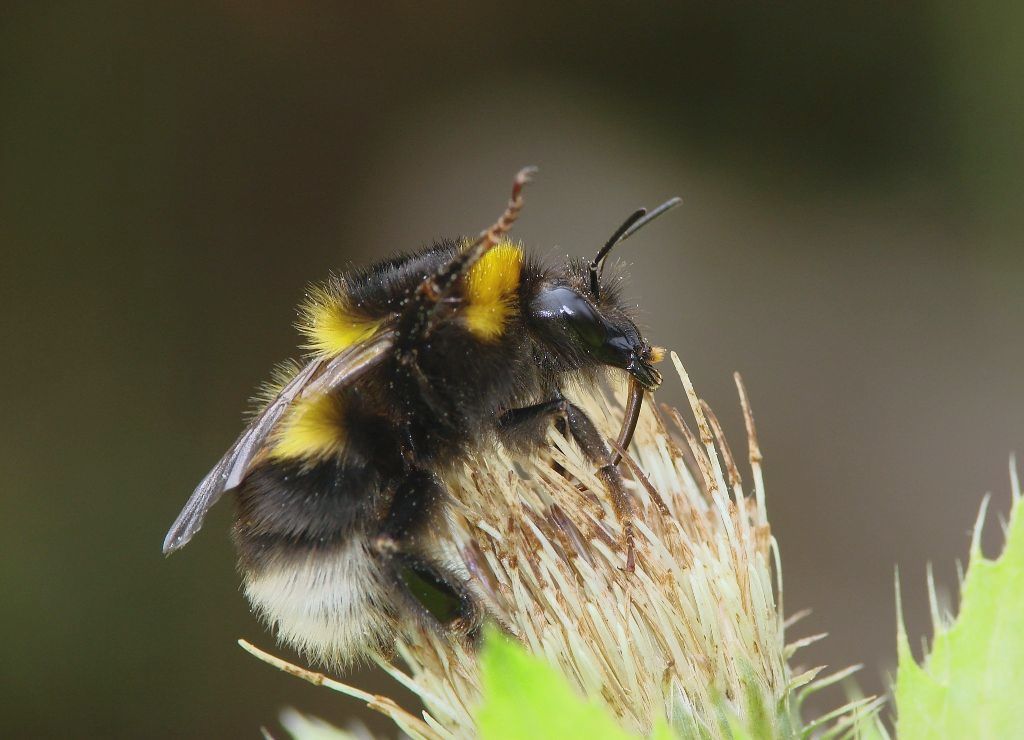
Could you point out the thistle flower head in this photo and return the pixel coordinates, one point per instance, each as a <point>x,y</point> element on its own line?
<point>694,634</point>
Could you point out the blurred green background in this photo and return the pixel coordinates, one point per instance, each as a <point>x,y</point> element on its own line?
<point>173,174</point>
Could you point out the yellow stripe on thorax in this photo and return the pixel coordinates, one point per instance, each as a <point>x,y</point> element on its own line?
<point>491,286</point>
<point>329,325</point>
<point>314,428</point>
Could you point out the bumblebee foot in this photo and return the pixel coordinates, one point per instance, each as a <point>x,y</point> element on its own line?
<point>630,544</point>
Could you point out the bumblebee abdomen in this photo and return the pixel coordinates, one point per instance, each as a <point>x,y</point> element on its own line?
<point>332,603</point>
<point>287,507</point>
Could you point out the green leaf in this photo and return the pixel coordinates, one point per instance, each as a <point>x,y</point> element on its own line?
<point>970,686</point>
<point>526,699</point>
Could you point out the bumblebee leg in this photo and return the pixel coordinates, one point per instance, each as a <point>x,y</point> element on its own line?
<point>428,585</point>
<point>434,591</point>
<point>421,312</point>
<point>416,499</point>
<point>528,426</point>
<point>409,363</point>
<point>525,428</point>
<point>492,235</point>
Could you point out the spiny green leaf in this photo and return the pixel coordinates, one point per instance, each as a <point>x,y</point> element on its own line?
<point>970,684</point>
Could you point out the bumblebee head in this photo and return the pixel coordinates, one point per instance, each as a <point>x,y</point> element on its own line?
<point>587,316</point>
<point>587,327</point>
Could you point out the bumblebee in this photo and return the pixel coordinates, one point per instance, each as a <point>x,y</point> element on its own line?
<point>416,362</point>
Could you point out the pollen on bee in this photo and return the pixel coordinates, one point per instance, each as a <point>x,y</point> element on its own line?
<point>314,428</point>
<point>491,285</point>
<point>330,325</point>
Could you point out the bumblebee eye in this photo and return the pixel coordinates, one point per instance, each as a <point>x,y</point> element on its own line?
<point>570,319</point>
<point>567,308</point>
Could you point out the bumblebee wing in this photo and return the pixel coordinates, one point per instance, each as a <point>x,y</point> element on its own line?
<point>318,376</point>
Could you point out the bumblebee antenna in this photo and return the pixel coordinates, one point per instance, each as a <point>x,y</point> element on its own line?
<point>598,262</point>
<point>492,234</point>
<point>636,221</point>
<point>665,207</point>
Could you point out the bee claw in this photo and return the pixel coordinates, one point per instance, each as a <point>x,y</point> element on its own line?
<point>630,547</point>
